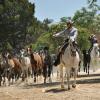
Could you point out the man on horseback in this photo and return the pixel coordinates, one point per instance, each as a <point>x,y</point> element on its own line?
<point>93,40</point>
<point>70,32</point>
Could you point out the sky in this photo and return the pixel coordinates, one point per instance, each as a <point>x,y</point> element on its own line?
<point>55,9</point>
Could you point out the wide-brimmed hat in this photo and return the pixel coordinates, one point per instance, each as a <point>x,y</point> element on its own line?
<point>93,35</point>
<point>70,21</point>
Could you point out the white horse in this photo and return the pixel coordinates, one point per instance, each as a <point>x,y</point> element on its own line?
<point>95,56</point>
<point>70,60</point>
<point>26,65</point>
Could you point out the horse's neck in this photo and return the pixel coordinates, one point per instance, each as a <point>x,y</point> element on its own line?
<point>68,50</point>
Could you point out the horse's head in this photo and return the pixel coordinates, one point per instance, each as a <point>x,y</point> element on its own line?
<point>72,47</point>
<point>23,53</point>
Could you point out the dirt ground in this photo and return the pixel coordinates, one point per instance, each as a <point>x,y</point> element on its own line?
<point>88,88</point>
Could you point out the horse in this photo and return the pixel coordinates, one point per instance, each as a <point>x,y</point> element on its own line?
<point>14,67</point>
<point>36,64</point>
<point>70,60</point>
<point>26,65</point>
<point>4,69</point>
<point>95,54</point>
<point>47,65</point>
<point>86,60</point>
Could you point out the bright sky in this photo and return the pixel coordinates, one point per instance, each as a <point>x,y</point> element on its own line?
<point>55,9</point>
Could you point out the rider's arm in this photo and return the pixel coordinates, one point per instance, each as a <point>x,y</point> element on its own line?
<point>60,34</point>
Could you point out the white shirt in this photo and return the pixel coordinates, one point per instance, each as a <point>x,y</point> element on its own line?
<point>72,33</point>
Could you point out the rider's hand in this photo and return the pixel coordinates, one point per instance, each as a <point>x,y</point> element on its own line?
<point>54,35</point>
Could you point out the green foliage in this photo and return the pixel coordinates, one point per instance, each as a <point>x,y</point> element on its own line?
<point>16,20</point>
<point>84,18</point>
<point>83,36</point>
<point>44,40</point>
<point>93,4</point>
<point>8,46</point>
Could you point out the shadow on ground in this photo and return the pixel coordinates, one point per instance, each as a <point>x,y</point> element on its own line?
<point>79,81</point>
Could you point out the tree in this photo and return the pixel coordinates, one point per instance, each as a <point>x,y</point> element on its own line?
<point>84,17</point>
<point>93,4</point>
<point>15,18</point>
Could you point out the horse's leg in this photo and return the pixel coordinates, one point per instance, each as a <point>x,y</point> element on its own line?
<point>0,81</point>
<point>68,79</point>
<point>13,78</point>
<point>75,75</point>
<point>27,76</point>
<point>88,67</point>
<point>45,73</point>
<point>35,75</point>
<point>0,77</point>
<point>19,73</point>
<point>79,66</point>
<point>93,65</point>
<point>49,72</point>
<point>29,71</point>
<point>4,77</point>
<point>32,72</point>
<point>10,75</point>
<point>4,80</point>
<point>84,66</point>
<point>61,76</point>
<point>57,74</point>
<point>9,78</point>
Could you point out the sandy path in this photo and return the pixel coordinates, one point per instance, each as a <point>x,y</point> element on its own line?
<point>88,88</point>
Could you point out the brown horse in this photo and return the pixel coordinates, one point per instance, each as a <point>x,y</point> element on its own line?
<point>15,68</point>
<point>37,64</point>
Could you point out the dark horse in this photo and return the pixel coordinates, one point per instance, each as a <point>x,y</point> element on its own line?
<point>47,64</point>
<point>4,69</point>
<point>86,60</point>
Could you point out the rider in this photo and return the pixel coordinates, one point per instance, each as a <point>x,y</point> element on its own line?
<point>71,32</point>
<point>93,40</point>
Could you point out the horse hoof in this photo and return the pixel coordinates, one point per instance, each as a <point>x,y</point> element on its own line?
<point>68,88</point>
<point>62,87</point>
<point>50,81</point>
<point>44,81</point>
<point>34,80</point>
<point>73,86</point>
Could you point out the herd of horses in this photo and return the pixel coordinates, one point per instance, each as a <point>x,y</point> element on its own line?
<point>25,64</point>
<point>34,64</point>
